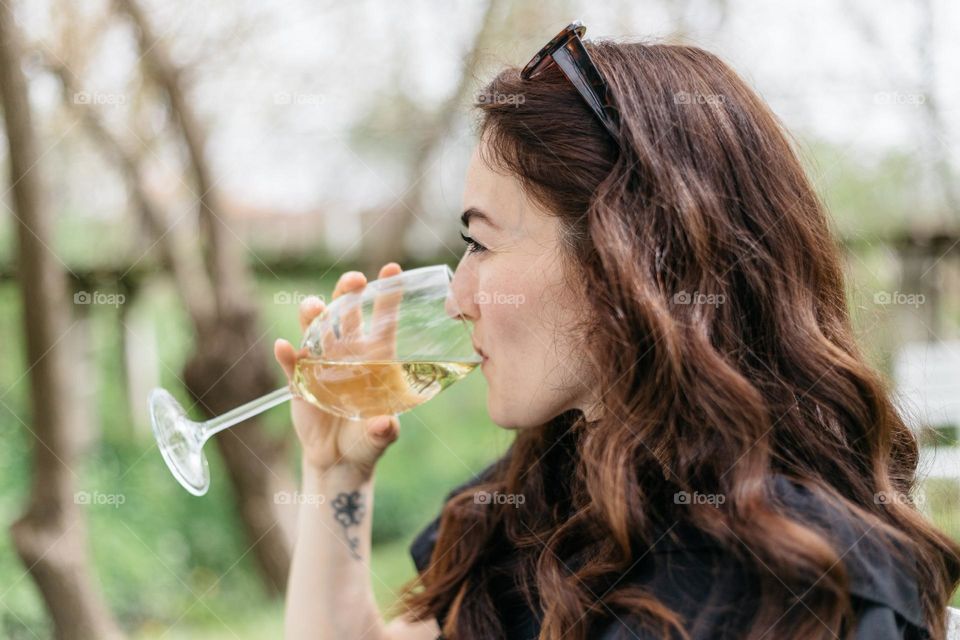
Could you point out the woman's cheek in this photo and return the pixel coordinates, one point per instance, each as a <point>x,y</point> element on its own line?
<point>518,359</point>
<point>508,306</point>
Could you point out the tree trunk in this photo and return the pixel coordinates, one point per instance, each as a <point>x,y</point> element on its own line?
<point>386,243</point>
<point>215,378</point>
<point>50,536</point>
<point>231,365</point>
<point>218,379</point>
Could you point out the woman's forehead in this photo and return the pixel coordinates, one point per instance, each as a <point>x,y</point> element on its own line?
<point>500,196</point>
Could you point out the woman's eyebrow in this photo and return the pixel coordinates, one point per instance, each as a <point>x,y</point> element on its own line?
<point>473,212</point>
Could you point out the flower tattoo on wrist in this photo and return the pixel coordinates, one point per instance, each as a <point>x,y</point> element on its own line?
<point>348,510</point>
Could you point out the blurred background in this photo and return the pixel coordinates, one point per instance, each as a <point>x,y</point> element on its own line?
<point>184,173</point>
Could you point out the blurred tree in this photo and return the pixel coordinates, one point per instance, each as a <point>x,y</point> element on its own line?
<point>919,87</point>
<point>230,364</point>
<point>50,537</point>
<point>391,226</point>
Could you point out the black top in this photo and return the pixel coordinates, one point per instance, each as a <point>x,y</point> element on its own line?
<point>712,590</point>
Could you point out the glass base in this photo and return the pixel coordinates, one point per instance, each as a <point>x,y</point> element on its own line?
<point>179,440</point>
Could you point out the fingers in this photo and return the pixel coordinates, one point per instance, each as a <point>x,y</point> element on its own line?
<point>349,281</point>
<point>389,269</point>
<point>382,431</point>
<point>385,306</point>
<point>310,308</point>
<point>351,318</point>
<point>285,354</point>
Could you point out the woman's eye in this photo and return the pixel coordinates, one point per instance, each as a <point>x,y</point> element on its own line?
<point>472,245</point>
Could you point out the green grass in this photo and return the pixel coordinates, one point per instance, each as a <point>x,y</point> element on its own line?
<point>262,621</point>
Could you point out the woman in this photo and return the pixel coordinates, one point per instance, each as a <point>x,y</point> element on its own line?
<point>701,449</point>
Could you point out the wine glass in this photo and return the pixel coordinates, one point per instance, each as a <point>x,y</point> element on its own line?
<point>384,349</point>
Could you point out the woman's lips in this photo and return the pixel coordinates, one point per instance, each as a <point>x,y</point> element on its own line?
<point>482,354</point>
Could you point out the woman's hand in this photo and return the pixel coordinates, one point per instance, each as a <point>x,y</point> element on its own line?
<point>330,441</point>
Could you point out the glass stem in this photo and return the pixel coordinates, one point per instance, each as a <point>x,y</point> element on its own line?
<point>245,411</point>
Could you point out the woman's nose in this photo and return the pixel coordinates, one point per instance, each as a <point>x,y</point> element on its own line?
<point>460,304</point>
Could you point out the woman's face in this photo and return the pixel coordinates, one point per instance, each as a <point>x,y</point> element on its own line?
<point>514,290</point>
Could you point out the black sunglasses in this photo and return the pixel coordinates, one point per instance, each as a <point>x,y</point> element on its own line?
<point>566,50</point>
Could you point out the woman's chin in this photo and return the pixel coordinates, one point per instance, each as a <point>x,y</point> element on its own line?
<point>500,417</point>
<point>511,419</point>
<point>504,424</point>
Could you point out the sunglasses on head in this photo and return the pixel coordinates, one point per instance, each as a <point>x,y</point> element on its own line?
<point>567,52</point>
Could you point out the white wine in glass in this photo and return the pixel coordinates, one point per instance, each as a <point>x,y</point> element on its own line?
<point>384,349</point>
<point>368,389</point>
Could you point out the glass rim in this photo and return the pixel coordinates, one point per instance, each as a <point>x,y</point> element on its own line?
<point>380,283</point>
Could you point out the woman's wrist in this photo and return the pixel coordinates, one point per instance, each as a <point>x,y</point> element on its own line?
<point>339,475</point>
<point>346,494</point>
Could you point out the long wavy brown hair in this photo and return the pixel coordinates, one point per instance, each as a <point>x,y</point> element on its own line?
<point>705,198</point>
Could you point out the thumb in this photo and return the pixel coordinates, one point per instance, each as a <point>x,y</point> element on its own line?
<point>383,430</point>
<point>285,355</point>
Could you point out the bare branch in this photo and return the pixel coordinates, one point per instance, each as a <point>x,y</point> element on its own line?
<point>224,262</point>
<point>192,282</point>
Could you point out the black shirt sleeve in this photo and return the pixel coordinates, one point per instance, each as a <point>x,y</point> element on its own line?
<point>688,576</point>
<point>880,622</point>
<point>876,622</point>
<point>422,547</point>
